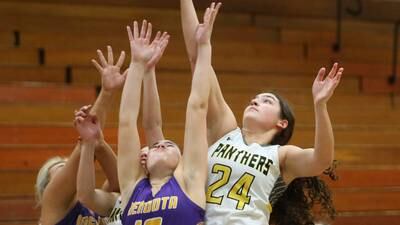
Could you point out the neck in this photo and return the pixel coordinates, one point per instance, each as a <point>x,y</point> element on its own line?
<point>158,178</point>
<point>157,182</point>
<point>258,136</point>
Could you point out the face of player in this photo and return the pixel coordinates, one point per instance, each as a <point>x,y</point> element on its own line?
<point>264,111</point>
<point>164,155</point>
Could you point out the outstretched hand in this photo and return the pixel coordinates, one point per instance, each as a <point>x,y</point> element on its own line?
<point>204,30</point>
<point>142,51</point>
<point>324,87</point>
<point>111,77</point>
<point>87,125</point>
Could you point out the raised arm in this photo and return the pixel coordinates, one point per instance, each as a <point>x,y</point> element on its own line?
<point>220,118</point>
<point>312,162</point>
<point>195,142</point>
<point>142,54</point>
<point>59,194</point>
<point>152,120</point>
<point>98,200</point>
<point>190,23</point>
<point>112,81</point>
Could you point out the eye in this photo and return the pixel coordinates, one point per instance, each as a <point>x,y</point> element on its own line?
<point>267,100</point>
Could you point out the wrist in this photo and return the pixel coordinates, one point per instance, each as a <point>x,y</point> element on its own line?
<point>89,142</point>
<point>106,93</point>
<point>320,105</point>
<point>206,44</point>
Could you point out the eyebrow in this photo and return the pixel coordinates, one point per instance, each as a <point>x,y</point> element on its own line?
<point>170,142</point>
<point>269,96</point>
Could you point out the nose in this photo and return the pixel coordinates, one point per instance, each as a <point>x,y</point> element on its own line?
<point>254,102</point>
<point>161,145</point>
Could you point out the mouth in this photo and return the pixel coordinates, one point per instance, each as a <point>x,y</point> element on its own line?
<point>253,108</point>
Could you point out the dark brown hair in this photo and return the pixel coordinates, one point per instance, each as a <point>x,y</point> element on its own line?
<point>298,203</point>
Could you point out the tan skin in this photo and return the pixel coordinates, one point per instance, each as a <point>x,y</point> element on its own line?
<point>164,159</point>
<point>59,195</point>
<point>294,161</point>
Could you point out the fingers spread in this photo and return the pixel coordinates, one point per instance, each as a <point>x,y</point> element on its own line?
<point>130,35</point>
<point>144,28</point>
<point>121,59</point>
<point>321,74</point>
<point>103,61</point>
<point>148,33</point>
<point>135,30</point>
<point>97,65</point>
<point>110,55</point>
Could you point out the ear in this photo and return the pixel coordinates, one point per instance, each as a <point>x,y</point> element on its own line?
<point>282,124</point>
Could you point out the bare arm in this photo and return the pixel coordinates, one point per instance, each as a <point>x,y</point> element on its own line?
<point>195,142</point>
<point>189,24</point>
<point>59,194</point>
<point>111,81</point>
<point>312,162</point>
<point>143,54</point>
<point>220,118</point>
<point>152,121</point>
<point>108,162</point>
<point>98,200</point>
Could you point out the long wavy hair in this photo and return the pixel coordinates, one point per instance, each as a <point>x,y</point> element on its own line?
<point>305,200</point>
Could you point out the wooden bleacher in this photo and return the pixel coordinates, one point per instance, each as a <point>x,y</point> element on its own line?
<point>263,46</point>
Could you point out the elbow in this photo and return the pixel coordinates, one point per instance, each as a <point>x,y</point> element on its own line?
<point>323,164</point>
<point>196,103</point>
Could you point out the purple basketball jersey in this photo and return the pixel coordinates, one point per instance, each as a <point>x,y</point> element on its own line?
<point>79,215</point>
<point>170,206</point>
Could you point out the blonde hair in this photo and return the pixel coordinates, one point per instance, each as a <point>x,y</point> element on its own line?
<point>43,176</point>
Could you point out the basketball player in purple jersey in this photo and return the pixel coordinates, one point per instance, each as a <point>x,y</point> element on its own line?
<point>173,193</point>
<point>56,181</point>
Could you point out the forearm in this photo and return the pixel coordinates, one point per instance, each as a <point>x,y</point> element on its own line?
<point>86,181</point>
<point>128,136</point>
<point>201,77</point>
<point>151,117</point>
<point>189,24</point>
<point>108,162</point>
<point>103,102</point>
<point>130,100</point>
<point>324,139</point>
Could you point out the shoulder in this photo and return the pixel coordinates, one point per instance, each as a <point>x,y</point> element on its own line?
<point>284,150</point>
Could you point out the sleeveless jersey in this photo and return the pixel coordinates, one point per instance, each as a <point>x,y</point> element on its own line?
<point>240,180</point>
<point>116,214</point>
<point>170,206</point>
<point>80,215</point>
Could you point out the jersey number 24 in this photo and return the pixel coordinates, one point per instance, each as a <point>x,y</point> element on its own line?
<point>238,192</point>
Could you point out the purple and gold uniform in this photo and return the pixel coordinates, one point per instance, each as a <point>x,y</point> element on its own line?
<point>170,206</point>
<point>79,215</point>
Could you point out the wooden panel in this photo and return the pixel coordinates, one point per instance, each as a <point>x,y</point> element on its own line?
<point>373,85</point>
<point>21,183</point>
<point>17,56</point>
<point>363,38</point>
<point>367,219</point>
<point>14,93</point>
<point>18,209</point>
<point>365,177</point>
<point>46,135</point>
<point>366,199</point>
<point>352,54</point>
<point>10,74</point>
